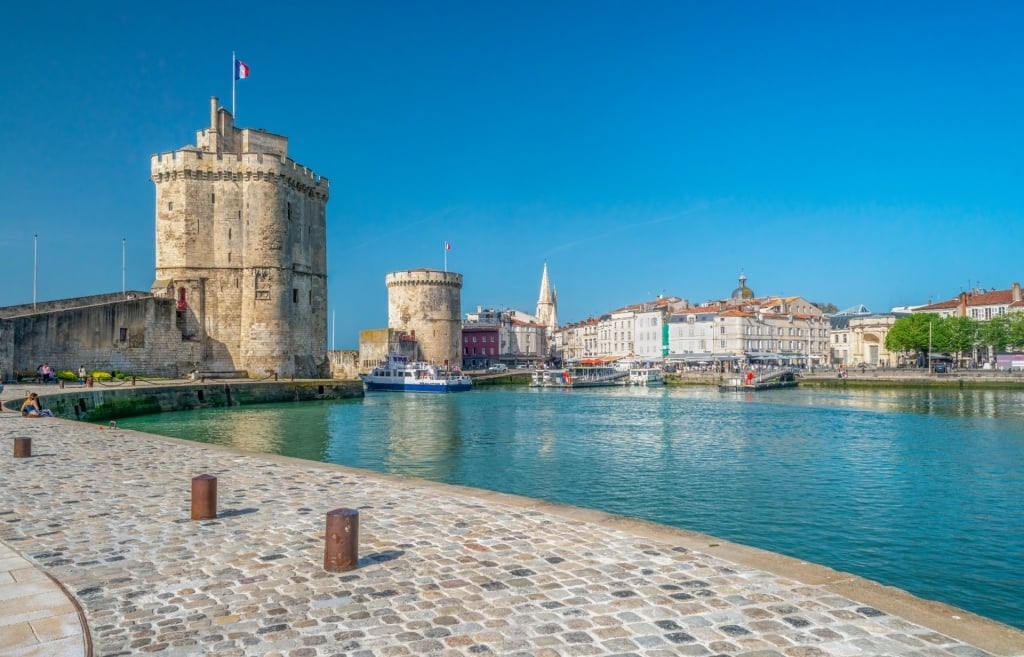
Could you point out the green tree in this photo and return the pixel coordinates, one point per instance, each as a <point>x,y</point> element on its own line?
<point>996,333</point>
<point>911,333</point>
<point>961,334</point>
<point>1016,331</point>
<point>827,308</point>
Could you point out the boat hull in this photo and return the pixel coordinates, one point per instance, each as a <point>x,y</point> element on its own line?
<point>440,386</point>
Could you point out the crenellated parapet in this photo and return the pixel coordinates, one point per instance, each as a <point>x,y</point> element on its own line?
<point>431,277</point>
<point>197,165</point>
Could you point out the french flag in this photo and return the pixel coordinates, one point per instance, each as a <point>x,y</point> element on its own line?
<point>241,70</point>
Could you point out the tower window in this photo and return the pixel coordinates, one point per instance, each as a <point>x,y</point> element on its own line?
<point>123,334</point>
<point>295,295</point>
<point>170,206</point>
<point>212,197</point>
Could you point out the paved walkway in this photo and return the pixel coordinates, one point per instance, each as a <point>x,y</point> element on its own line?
<point>443,571</point>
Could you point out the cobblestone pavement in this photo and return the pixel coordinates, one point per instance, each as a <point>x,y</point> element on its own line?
<point>443,570</point>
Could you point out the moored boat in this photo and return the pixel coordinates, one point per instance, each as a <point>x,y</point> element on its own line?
<point>578,377</point>
<point>776,379</point>
<point>398,374</point>
<point>646,376</point>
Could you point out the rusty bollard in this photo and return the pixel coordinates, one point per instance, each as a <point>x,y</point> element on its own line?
<point>62,384</point>
<point>204,497</point>
<point>22,447</point>
<point>341,545</point>
<point>88,382</point>
<point>133,379</point>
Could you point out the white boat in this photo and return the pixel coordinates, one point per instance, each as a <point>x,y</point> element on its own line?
<point>578,377</point>
<point>398,374</point>
<point>646,376</point>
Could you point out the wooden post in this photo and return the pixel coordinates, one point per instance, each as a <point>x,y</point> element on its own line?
<point>341,544</point>
<point>22,447</point>
<point>204,497</point>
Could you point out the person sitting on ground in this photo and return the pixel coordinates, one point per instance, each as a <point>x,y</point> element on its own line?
<point>32,407</point>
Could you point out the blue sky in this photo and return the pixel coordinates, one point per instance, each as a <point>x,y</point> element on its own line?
<point>848,152</point>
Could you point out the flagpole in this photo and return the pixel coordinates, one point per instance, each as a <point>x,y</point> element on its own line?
<point>124,267</point>
<point>35,267</point>
<point>234,65</point>
<point>445,247</point>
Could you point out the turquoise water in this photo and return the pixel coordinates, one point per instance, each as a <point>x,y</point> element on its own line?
<point>921,490</point>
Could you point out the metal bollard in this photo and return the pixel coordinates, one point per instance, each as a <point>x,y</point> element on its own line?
<point>22,447</point>
<point>204,497</point>
<point>341,544</point>
<point>62,384</point>
<point>133,379</point>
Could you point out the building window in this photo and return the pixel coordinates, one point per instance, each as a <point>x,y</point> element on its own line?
<point>123,334</point>
<point>170,206</point>
<point>295,295</point>
<point>212,198</point>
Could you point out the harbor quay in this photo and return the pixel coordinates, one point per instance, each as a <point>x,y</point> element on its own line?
<point>96,531</point>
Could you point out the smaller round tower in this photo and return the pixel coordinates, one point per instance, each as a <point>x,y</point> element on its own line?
<point>427,303</point>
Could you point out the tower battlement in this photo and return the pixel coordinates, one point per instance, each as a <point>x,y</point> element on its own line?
<point>432,277</point>
<point>231,165</point>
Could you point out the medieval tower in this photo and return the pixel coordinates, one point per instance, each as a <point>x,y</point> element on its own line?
<point>427,303</point>
<point>241,246</point>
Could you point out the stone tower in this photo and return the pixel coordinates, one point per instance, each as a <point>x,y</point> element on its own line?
<point>241,246</point>
<point>547,304</point>
<point>427,302</point>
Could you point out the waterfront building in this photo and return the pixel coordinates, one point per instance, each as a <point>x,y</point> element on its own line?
<point>480,344</point>
<point>579,339</point>
<point>858,338</point>
<point>504,336</point>
<point>978,304</point>
<point>241,249</point>
<point>745,328</point>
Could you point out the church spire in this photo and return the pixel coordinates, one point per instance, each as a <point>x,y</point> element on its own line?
<point>547,311</point>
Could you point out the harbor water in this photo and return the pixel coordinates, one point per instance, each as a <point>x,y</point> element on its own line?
<point>917,489</point>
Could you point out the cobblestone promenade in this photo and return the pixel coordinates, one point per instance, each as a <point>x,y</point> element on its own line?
<point>443,570</point>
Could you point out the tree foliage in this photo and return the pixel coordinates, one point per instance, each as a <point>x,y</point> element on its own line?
<point>827,308</point>
<point>911,333</point>
<point>960,334</point>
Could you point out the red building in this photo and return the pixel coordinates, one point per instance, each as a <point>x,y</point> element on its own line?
<point>480,346</point>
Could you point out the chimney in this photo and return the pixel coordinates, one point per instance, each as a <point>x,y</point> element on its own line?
<point>1015,291</point>
<point>963,304</point>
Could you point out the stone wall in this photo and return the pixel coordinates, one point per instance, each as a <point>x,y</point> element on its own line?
<point>344,365</point>
<point>137,336</point>
<point>104,404</point>
<point>65,304</point>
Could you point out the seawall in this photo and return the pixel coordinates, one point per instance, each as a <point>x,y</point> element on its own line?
<point>102,404</point>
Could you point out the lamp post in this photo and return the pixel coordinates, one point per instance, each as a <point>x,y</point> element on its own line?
<point>35,267</point>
